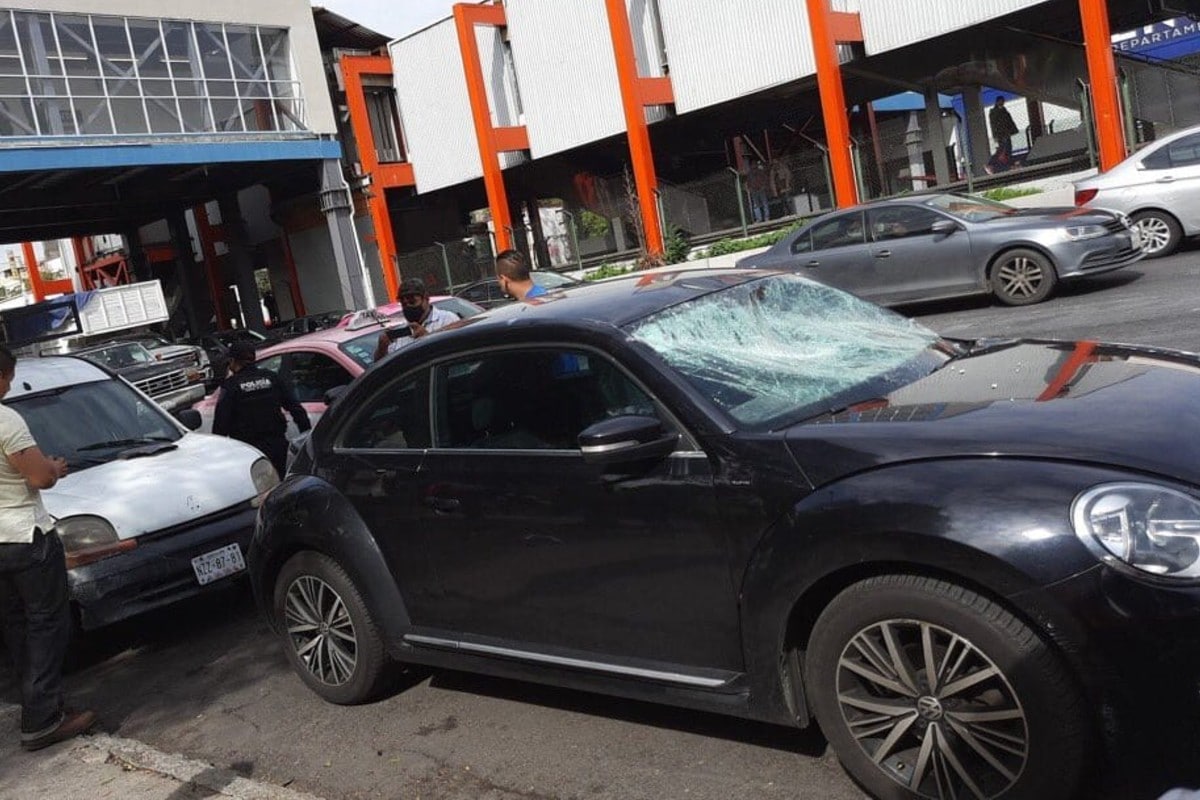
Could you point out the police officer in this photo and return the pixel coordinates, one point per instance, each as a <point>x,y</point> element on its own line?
<point>250,408</point>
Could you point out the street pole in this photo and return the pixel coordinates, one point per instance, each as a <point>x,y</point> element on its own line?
<point>737,179</point>
<point>446,268</point>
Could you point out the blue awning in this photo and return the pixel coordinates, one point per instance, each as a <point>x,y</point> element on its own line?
<point>908,101</point>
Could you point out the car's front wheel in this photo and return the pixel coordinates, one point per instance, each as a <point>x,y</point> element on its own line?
<point>928,690</point>
<point>1160,232</point>
<point>1022,277</point>
<point>328,634</point>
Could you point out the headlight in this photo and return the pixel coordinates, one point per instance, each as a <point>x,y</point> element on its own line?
<point>1077,233</point>
<point>265,478</point>
<point>89,538</point>
<point>1150,528</point>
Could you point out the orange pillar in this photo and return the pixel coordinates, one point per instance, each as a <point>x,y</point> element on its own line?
<point>492,140</point>
<point>382,176</point>
<point>81,260</point>
<point>636,94</point>
<point>1102,73</point>
<point>208,250</point>
<point>35,274</point>
<point>826,27</point>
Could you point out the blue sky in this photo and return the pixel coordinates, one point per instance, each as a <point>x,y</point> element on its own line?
<point>393,18</point>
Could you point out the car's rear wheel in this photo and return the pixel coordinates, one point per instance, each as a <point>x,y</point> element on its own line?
<point>928,690</point>
<point>328,634</point>
<point>1021,277</point>
<point>1160,232</point>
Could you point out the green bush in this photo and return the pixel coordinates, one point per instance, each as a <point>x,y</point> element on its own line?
<point>592,225</point>
<point>607,271</point>
<point>676,246</point>
<point>1002,193</point>
<point>724,247</point>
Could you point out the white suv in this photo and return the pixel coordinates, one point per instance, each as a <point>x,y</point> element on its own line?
<point>150,512</point>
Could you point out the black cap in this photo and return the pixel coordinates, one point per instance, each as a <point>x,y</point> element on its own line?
<point>242,351</point>
<point>413,286</point>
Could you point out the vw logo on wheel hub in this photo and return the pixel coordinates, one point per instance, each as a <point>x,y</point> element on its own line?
<point>929,708</point>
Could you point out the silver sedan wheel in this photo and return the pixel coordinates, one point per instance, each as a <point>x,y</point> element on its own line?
<point>320,629</point>
<point>1156,234</point>
<point>932,711</point>
<point>1020,276</point>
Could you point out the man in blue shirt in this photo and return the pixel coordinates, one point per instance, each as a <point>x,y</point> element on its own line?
<point>513,275</point>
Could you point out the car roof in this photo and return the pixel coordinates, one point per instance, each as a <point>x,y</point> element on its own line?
<point>619,301</point>
<point>52,372</point>
<point>323,339</point>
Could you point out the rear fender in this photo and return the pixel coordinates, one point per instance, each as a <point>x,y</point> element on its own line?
<point>999,527</point>
<point>306,513</point>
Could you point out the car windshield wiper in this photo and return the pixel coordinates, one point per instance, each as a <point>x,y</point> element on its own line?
<point>123,443</point>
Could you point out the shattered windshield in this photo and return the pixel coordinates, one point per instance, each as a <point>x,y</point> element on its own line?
<point>783,348</point>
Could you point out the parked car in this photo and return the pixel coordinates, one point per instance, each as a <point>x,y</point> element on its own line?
<point>486,293</point>
<point>754,494</point>
<point>310,323</point>
<point>465,309</point>
<point>149,512</point>
<point>170,384</point>
<point>935,246</point>
<point>1158,187</point>
<point>318,362</point>
<point>163,349</point>
<point>217,343</point>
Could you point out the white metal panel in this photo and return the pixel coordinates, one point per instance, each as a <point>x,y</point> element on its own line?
<point>888,24</point>
<point>723,49</point>
<point>503,101</point>
<point>435,111</point>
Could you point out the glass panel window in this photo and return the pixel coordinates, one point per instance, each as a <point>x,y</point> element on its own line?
<point>243,50</point>
<point>900,222</point>
<point>12,86</point>
<point>275,51</point>
<point>16,117</point>
<point>92,116</point>
<point>86,87</point>
<point>214,57</point>
<point>112,43</point>
<point>10,59</point>
<point>195,115</point>
<point>129,115</point>
<point>163,117</point>
<point>54,116</point>
<point>396,418</point>
<point>385,123</point>
<point>36,40</point>
<point>148,48</point>
<point>228,115</point>
<point>75,43</point>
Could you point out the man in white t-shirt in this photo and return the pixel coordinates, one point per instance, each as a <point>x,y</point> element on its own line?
<point>34,603</point>
<point>422,317</point>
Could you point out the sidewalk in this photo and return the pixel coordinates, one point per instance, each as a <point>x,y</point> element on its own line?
<point>104,767</point>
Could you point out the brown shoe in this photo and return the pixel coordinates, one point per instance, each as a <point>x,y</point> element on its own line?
<point>73,723</point>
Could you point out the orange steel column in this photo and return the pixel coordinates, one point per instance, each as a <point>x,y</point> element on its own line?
<point>1102,71</point>
<point>205,233</point>
<point>636,94</point>
<point>382,176</point>
<point>35,275</point>
<point>827,29</point>
<point>294,284</point>
<point>492,140</point>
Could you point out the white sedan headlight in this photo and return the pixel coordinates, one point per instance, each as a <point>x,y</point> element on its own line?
<point>87,538</point>
<point>1153,529</point>
<point>265,478</point>
<point>1078,233</point>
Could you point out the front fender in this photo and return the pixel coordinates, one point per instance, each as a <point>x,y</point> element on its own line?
<point>1000,527</point>
<point>306,513</point>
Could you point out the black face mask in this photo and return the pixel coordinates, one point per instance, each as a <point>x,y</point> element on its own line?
<point>414,313</point>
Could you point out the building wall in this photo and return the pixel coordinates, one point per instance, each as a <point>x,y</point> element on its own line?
<point>296,15</point>
<point>888,25</point>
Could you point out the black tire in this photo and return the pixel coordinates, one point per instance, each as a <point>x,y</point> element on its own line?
<point>344,659</point>
<point>1160,231</point>
<point>1022,277</point>
<point>1036,728</point>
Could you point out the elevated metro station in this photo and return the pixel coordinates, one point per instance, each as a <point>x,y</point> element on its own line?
<point>597,130</point>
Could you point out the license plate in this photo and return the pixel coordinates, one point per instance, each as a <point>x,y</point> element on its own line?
<point>218,564</point>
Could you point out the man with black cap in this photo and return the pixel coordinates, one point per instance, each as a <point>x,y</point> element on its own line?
<point>250,408</point>
<point>422,317</point>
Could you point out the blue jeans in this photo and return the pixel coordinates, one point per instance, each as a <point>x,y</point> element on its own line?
<point>35,610</point>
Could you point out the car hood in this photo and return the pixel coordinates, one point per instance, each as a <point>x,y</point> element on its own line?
<point>1050,217</point>
<point>1077,401</point>
<point>201,475</point>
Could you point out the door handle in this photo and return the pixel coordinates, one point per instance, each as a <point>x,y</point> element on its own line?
<point>1166,179</point>
<point>883,254</point>
<point>443,505</point>
<point>813,264</point>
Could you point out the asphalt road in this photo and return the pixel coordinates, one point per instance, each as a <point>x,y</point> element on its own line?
<point>206,680</point>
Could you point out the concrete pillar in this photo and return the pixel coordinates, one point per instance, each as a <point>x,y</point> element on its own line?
<point>935,138</point>
<point>185,274</point>
<point>978,144</point>
<point>241,262</point>
<point>139,268</point>
<point>352,275</point>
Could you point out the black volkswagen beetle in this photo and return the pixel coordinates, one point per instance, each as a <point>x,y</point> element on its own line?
<point>749,493</point>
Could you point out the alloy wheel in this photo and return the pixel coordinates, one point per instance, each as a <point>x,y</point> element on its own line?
<point>932,711</point>
<point>1156,234</point>
<point>320,629</point>
<point>1020,276</point>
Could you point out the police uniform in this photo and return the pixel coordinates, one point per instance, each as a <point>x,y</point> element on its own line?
<point>250,409</point>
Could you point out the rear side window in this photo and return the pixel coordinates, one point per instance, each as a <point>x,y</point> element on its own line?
<point>1184,152</point>
<point>840,231</point>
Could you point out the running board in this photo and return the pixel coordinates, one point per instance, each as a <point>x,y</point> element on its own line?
<point>622,670</point>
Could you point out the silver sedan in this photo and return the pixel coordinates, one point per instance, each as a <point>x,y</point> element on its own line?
<point>1158,187</point>
<point>935,246</point>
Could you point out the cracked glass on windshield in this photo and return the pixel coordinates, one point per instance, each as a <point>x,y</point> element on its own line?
<point>785,348</point>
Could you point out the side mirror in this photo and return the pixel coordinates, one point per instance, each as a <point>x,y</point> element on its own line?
<point>189,418</point>
<point>333,394</point>
<point>944,227</point>
<point>622,440</point>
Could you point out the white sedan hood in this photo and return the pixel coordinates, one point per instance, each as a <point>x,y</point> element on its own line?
<point>202,475</point>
